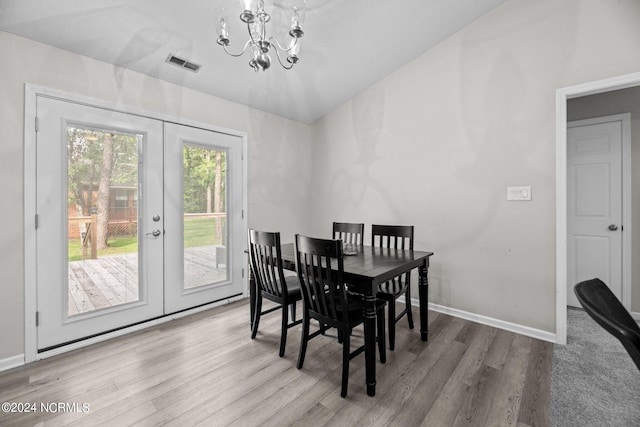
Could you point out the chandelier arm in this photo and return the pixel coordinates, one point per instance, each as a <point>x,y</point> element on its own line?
<point>244,49</point>
<point>280,60</point>
<point>279,46</point>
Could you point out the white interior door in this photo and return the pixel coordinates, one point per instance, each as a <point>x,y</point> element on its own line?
<point>203,216</point>
<point>99,176</point>
<point>594,205</point>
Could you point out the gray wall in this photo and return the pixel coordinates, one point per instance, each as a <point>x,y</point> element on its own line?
<point>606,104</point>
<point>436,144</point>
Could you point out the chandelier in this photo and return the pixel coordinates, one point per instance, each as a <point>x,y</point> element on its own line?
<point>259,43</point>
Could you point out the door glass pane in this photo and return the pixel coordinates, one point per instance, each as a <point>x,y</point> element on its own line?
<point>204,211</point>
<point>102,213</point>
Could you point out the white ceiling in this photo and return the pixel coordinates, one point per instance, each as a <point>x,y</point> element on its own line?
<point>348,44</point>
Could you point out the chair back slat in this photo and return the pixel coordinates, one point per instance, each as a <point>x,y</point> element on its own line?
<point>266,262</point>
<point>392,236</point>
<point>320,268</point>
<point>349,233</point>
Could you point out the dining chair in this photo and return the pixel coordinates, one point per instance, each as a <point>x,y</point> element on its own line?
<point>606,309</point>
<point>394,237</point>
<point>349,233</point>
<point>266,265</point>
<point>320,267</point>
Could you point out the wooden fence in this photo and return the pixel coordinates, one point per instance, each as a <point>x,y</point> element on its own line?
<point>88,226</point>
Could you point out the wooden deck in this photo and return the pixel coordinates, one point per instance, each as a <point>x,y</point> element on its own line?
<point>113,280</point>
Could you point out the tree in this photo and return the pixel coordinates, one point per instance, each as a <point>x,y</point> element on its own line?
<point>217,195</point>
<point>103,190</point>
<point>96,161</point>
<point>203,173</point>
<point>84,156</point>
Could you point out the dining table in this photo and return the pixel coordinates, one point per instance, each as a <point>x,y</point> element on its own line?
<point>364,269</point>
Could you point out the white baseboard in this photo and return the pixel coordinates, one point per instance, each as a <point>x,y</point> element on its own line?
<point>11,362</point>
<point>635,315</point>
<point>490,321</point>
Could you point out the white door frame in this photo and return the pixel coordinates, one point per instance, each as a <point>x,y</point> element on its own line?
<point>625,118</point>
<point>562,95</point>
<point>30,291</point>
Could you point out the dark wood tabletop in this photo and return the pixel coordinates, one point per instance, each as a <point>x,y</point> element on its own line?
<point>374,264</point>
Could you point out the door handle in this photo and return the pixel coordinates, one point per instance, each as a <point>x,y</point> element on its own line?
<point>613,227</point>
<point>155,233</point>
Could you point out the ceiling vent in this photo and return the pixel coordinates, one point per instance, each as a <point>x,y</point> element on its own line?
<point>182,63</point>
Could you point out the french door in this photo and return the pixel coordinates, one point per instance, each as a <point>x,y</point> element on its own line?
<point>136,219</point>
<point>202,262</point>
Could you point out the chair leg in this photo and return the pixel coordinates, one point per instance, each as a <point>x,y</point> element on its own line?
<point>392,325</point>
<point>381,340</point>
<point>346,350</point>
<point>283,333</point>
<point>407,297</point>
<point>256,316</point>
<point>293,311</point>
<point>303,340</point>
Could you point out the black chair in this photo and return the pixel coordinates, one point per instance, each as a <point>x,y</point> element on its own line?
<point>320,268</point>
<point>349,233</point>
<point>604,307</point>
<point>394,237</point>
<point>266,265</point>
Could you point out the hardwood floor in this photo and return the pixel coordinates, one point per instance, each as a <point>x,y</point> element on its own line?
<point>205,370</point>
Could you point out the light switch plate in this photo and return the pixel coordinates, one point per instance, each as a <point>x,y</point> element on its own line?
<point>519,193</point>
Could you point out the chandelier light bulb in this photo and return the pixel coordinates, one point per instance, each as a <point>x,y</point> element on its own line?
<point>247,15</point>
<point>295,18</point>
<point>293,52</point>
<point>224,31</point>
<point>296,31</point>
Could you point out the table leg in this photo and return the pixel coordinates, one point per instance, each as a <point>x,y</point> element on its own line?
<point>423,292</point>
<point>252,298</point>
<point>370,342</point>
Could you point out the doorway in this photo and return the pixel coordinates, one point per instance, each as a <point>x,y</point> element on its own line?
<point>562,96</point>
<point>135,218</point>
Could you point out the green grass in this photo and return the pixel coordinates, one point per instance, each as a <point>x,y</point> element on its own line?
<point>118,246</point>
<point>200,232</point>
<point>197,232</point>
